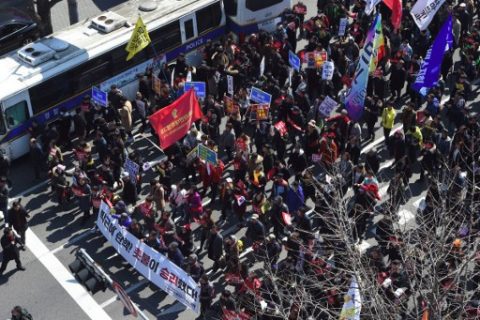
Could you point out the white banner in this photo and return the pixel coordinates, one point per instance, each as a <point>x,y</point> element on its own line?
<point>371,5</point>
<point>423,12</point>
<point>327,106</point>
<point>151,264</point>
<point>327,70</point>
<point>230,85</point>
<point>342,27</point>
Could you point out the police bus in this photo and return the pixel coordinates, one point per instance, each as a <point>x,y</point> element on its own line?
<point>54,73</point>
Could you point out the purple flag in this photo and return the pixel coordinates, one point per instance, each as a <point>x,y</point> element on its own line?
<point>429,72</point>
<point>356,96</point>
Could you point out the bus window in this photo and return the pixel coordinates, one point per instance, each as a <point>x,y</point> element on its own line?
<point>230,7</point>
<point>189,33</point>
<point>188,27</point>
<point>51,92</point>
<point>209,17</point>
<point>16,114</point>
<point>255,5</point>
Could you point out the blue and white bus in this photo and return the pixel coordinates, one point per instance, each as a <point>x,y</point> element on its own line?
<point>55,72</point>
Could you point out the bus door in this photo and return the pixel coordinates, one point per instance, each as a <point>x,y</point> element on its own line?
<point>16,111</point>
<point>189,32</point>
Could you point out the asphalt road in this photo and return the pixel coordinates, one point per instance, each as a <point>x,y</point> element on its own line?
<point>49,291</point>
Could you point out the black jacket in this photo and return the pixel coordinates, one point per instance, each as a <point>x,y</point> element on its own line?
<point>215,246</point>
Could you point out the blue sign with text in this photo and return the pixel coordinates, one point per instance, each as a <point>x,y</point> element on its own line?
<point>100,97</point>
<point>294,60</point>
<point>199,87</point>
<point>259,96</point>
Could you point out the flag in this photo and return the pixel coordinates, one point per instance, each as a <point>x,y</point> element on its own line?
<point>429,73</point>
<point>139,40</point>
<point>353,302</point>
<point>356,97</point>
<point>378,46</point>
<point>173,122</point>
<point>370,6</point>
<point>423,12</point>
<point>396,7</point>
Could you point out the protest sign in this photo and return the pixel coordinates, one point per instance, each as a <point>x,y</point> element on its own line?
<point>230,84</point>
<point>327,106</point>
<point>230,105</point>
<point>294,60</point>
<point>327,70</point>
<point>342,27</point>
<point>207,154</point>
<point>132,168</point>
<point>259,96</point>
<point>259,111</point>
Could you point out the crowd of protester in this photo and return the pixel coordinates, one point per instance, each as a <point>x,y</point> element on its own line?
<point>267,175</point>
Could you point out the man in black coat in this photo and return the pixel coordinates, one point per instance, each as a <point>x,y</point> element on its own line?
<point>215,248</point>
<point>38,157</point>
<point>255,230</point>
<point>10,250</point>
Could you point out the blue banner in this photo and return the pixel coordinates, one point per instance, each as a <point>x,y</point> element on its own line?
<point>429,72</point>
<point>356,97</point>
<point>294,60</point>
<point>100,97</point>
<point>259,96</point>
<point>199,87</point>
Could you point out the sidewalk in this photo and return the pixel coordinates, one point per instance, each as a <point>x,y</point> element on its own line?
<point>86,9</point>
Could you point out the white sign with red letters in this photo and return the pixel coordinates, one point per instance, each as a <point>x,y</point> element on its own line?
<point>151,264</point>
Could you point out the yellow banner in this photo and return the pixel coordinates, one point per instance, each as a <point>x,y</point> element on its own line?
<point>139,40</point>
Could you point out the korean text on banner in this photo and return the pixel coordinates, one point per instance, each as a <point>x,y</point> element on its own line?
<point>153,265</point>
<point>354,102</point>
<point>139,40</point>
<point>423,12</point>
<point>327,106</point>
<point>327,70</point>
<point>429,72</point>
<point>294,60</point>
<point>173,122</point>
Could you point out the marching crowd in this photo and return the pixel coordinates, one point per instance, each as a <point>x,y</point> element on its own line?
<point>270,169</point>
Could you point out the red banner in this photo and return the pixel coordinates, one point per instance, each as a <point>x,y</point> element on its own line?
<point>172,123</point>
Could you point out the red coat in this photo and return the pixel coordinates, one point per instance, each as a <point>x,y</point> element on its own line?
<point>329,151</point>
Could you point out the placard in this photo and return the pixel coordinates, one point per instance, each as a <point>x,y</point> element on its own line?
<point>132,168</point>
<point>259,96</point>
<point>294,60</point>
<point>342,27</point>
<point>100,97</point>
<point>199,87</point>
<point>156,84</point>
<point>230,89</point>
<point>259,111</point>
<point>207,154</point>
<point>327,106</point>
<point>327,70</point>
<point>230,105</point>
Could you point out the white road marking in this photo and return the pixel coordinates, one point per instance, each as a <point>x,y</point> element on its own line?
<point>128,290</point>
<point>32,188</point>
<point>63,276</point>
